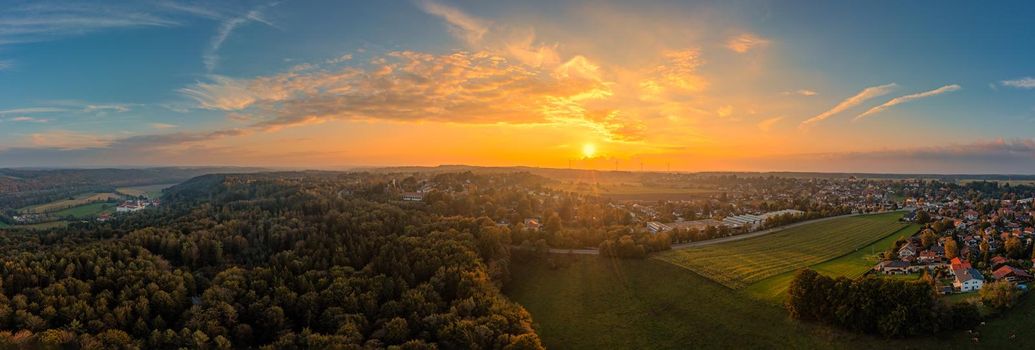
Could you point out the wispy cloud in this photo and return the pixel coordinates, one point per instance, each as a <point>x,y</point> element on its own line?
<point>767,124</point>
<point>28,119</point>
<point>801,92</point>
<point>462,25</point>
<point>31,110</point>
<point>211,56</point>
<point>6,64</point>
<point>1022,83</point>
<point>163,126</point>
<point>40,21</point>
<point>907,98</point>
<point>746,42</point>
<point>862,96</point>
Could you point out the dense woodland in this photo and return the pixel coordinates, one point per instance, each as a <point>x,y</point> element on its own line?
<point>300,260</point>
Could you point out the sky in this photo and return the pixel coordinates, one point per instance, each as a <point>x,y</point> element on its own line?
<point>876,86</point>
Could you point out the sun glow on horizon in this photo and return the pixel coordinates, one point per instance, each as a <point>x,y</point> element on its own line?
<point>589,150</point>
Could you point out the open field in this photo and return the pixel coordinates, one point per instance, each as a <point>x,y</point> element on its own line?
<point>853,264</point>
<point>150,191</point>
<point>599,303</point>
<point>69,203</point>
<point>741,263</point>
<point>86,211</point>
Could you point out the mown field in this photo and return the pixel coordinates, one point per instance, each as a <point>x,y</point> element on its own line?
<point>598,303</point>
<point>150,191</point>
<point>86,211</point>
<point>854,264</point>
<point>70,202</point>
<point>741,263</point>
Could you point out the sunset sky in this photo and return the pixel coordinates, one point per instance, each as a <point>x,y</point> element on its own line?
<point>876,86</point>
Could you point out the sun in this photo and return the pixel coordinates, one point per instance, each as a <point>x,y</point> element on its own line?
<point>589,150</point>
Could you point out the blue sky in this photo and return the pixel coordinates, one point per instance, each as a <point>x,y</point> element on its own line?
<point>713,85</point>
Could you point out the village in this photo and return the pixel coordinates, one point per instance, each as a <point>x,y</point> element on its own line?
<point>966,242</point>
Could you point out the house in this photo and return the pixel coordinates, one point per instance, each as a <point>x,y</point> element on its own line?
<point>413,196</point>
<point>957,264</point>
<point>971,215</point>
<point>893,267</point>
<point>533,224</point>
<point>1012,274</point>
<point>908,250</point>
<point>130,206</point>
<point>928,257</point>
<point>968,279</point>
<point>999,260</point>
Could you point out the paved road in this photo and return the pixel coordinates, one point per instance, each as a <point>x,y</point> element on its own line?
<point>721,239</point>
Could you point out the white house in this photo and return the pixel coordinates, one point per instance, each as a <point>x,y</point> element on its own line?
<point>969,279</point>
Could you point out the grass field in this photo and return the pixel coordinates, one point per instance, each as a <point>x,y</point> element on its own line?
<point>741,263</point>
<point>86,211</point>
<point>69,203</point>
<point>598,303</point>
<point>149,191</point>
<point>853,264</point>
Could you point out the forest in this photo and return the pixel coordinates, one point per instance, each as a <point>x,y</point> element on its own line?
<point>290,260</point>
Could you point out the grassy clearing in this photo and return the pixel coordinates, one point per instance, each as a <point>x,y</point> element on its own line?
<point>149,191</point>
<point>739,264</point>
<point>86,211</point>
<point>854,264</point>
<point>72,202</point>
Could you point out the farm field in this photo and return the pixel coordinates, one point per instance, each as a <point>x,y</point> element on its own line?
<point>599,303</point>
<point>853,264</point>
<point>86,211</point>
<point>150,191</point>
<point>69,203</point>
<point>741,263</point>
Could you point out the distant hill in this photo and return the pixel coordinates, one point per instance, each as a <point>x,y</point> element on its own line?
<point>574,174</point>
<point>20,187</point>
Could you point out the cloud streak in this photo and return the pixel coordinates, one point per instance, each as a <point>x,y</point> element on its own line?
<point>211,55</point>
<point>1022,83</point>
<point>862,96</point>
<point>464,26</point>
<point>907,98</point>
<point>767,124</point>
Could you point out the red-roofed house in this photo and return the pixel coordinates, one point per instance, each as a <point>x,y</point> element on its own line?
<point>1012,274</point>
<point>958,264</point>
